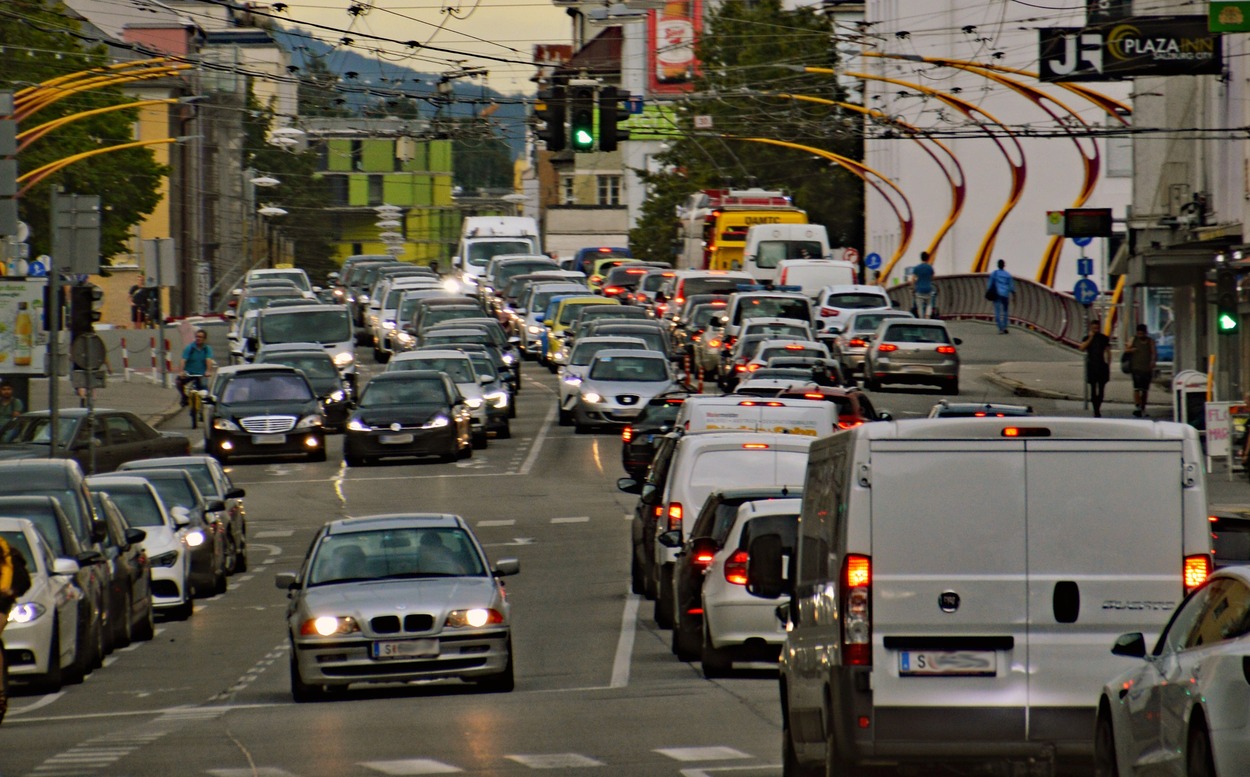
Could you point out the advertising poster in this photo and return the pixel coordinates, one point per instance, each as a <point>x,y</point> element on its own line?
<point>23,343</point>
<point>671,35</point>
<point>1142,46</point>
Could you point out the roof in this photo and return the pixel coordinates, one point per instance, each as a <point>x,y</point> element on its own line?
<point>601,54</point>
<point>396,521</point>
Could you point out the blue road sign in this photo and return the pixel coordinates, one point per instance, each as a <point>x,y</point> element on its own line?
<point>1084,266</point>
<point>634,105</point>
<point>873,261</point>
<point>1085,291</point>
<point>1082,241</point>
<point>36,269</point>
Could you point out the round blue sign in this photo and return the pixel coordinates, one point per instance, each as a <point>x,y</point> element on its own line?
<point>1085,291</point>
<point>873,261</point>
<point>36,269</point>
<point>1082,241</point>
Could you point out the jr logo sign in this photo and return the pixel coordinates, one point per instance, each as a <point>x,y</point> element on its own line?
<point>1149,46</point>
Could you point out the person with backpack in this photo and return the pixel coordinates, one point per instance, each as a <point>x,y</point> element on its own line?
<point>14,581</point>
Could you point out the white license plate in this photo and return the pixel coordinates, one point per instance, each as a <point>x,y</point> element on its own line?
<point>948,663</point>
<point>268,439</point>
<point>395,439</point>
<point>918,369</point>
<point>409,648</point>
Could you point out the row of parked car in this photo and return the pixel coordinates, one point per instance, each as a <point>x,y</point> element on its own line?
<point>108,553</point>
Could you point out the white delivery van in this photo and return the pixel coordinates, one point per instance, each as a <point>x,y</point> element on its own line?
<point>767,245</point>
<point>811,275</point>
<point>956,587</point>
<point>730,413</point>
<point>483,237</point>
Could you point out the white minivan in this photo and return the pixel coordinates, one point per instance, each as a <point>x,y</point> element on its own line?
<point>738,413</point>
<point>957,583</point>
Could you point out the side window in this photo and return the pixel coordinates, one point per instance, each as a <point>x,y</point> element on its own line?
<point>119,430</point>
<point>1178,632</point>
<point>1225,615</point>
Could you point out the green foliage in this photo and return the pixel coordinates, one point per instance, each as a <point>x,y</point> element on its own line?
<point>751,53</point>
<point>128,182</point>
<point>481,157</point>
<point>317,95</point>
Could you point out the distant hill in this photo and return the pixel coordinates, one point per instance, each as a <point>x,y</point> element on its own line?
<point>368,72</point>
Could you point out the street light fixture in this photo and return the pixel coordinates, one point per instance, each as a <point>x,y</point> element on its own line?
<point>271,210</point>
<point>265,181</point>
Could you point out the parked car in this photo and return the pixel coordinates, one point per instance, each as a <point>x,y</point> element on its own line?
<point>114,437</point>
<point>453,619</point>
<point>42,633</point>
<point>130,584</point>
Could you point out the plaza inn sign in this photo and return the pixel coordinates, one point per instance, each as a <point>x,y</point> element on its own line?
<point>1136,46</point>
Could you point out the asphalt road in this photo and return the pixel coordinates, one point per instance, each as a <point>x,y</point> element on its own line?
<point>598,690</point>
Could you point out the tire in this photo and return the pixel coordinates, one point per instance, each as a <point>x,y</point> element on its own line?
<point>505,433</point>
<point>565,417</point>
<point>53,679</point>
<point>953,387</point>
<point>123,635</point>
<point>664,599</point>
<point>637,585</point>
<point>512,407</point>
<point>230,558</point>
<point>97,646</point>
<point>146,629</point>
<point>1104,748</point>
<point>1199,762</point>
<point>479,440</point>
<point>503,682</point>
<point>319,454</point>
<point>650,586</point>
<point>353,461</point>
<point>717,662</point>
<point>183,611</point>
<point>219,583</point>
<point>241,564</point>
<point>687,641</point>
<point>790,766</point>
<point>302,692</point>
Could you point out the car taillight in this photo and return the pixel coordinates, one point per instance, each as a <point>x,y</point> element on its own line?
<point>829,311</point>
<point>703,558</point>
<point>678,300</point>
<point>627,434</point>
<point>857,611</point>
<point>848,422</point>
<point>612,291</point>
<point>736,567</point>
<point>740,367</point>
<point>857,343</point>
<point>1197,569</point>
<point>946,349</point>
<point>887,347</point>
<point>714,343</point>
<point>596,279</point>
<point>794,347</point>
<point>674,516</point>
<point>753,367</point>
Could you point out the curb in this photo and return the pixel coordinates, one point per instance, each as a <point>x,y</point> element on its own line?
<point>1024,390</point>
<point>157,420</point>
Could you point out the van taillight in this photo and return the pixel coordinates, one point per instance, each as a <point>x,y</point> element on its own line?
<point>736,567</point>
<point>1197,569</point>
<point>857,611</point>
<point>627,434</point>
<point>713,343</point>
<point>848,422</point>
<point>674,516</point>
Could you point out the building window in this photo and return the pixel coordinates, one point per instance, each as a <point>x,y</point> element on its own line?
<point>566,190</point>
<point>375,190</point>
<point>609,190</point>
<point>338,185</point>
<point>357,155</point>
<point>1119,149</point>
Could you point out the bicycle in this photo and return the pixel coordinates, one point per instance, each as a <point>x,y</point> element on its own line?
<point>193,390</point>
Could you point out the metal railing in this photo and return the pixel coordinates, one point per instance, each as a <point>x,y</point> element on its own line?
<point>1055,314</point>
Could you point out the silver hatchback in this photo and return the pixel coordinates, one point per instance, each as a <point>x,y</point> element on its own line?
<point>907,351</point>
<point>618,384</point>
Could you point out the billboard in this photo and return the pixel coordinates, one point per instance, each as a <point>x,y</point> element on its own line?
<point>1142,46</point>
<point>671,35</point>
<point>23,341</point>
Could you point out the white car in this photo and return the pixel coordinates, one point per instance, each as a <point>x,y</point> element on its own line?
<point>572,374</point>
<point>168,542</point>
<point>459,367</point>
<point>737,625</point>
<point>1184,708</point>
<point>835,303</point>
<point>42,632</point>
<point>772,349</point>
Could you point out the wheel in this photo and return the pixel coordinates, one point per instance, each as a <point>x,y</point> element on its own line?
<point>512,407</point>
<point>637,585</point>
<point>146,628</point>
<point>1104,748</point>
<point>505,433</point>
<point>664,601</point>
<point>300,691</point>
<point>353,461</point>
<point>319,454</point>
<point>650,586</point>
<point>1198,759</point>
<point>565,417</point>
<point>219,582</point>
<point>717,662</point>
<point>97,645</point>
<point>581,428</point>
<point>52,681</point>
<point>503,682</point>
<point>790,766</point>
<point>184,610</point>
<point>241,564</point>
<point>123,634</point>
<point>479,440</point>
<point>230,558</point>
<point>952,388</point>
<point>687,640</point>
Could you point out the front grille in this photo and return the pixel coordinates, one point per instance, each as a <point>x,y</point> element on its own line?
<point>389,624</point>
<point>627,399</point>
<point>268,424</point>
<point>164,588</point>
<point>418,623</point>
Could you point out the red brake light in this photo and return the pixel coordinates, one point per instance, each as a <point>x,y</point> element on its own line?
<point>813,395</point>
<point>887,347</point>
<point>755,446</point>
<point>703,558</point>
<point>713,343</point>
<point>614,290</point>
<point>736,567</point>
<point>677,401</point>
<point>596,278</point>
<point>794,347</point>
<point>858,571</point>
<point>627,434</point>
<point>857,343</point>
<point>605,250</point>
<point>857,611</point>
<point>946,349</point>
<point>752,367</point>
<point>829,311</point>
<point>849,422</point>
<point>674,516</point>
<point>679,300</point>
<point>1197,570</point>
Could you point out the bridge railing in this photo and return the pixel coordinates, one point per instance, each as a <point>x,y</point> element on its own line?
<point>1052,313</point>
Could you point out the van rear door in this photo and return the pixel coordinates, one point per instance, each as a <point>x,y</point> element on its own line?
<point>949,595</point>
<point>1105,557</point>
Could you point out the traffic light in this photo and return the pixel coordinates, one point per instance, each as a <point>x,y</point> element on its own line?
<point>47,306</point>
<point>550,111</point>
<point>1227,317</point>
<point>582,117</point>
<point>82,312</point>
<point>612,112</point>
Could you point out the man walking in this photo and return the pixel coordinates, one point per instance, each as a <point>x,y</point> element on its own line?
<point>1003,286</point>
<point>1142,358</point>
<point>1097,348</point>
<point>923,289</point>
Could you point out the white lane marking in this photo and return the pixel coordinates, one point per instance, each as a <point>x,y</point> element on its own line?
<point>708,772</point>
<point>702,753</point>
<point>625,643</point>
<point>42,701</point>
<point>300,481</point>
<point>252,674</point>
<point>538,442</point>
<point>572,519</point>
<point>411,766</point>
<point>260,771</point>
<point>272,533</point>
<point>487,524</point>
<point>554,760</point>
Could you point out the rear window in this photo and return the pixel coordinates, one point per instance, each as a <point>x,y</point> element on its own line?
<point>916,333</point>
<point>869,323</point>
<point>773,307</point>
<point>584,352</point>
<point>692,286</point>
<point>856,300</point>
<point>748,466</point>
<point>783,352</point>
<point>786,526</point>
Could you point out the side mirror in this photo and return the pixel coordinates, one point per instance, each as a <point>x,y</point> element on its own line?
<point>483,379</point>
<point>958,341</point>
<point>236,493</point>
<point>64,566</point>
<point>629,485</point>
<point>670,538</point>
<point>505,567</point>
<point>514,340</point>
<point>89,557</point>
<point>649,495</point>
<point>316,289</point>
<point>135,536</point>
<point>215,506</point>
<point>1131,645</point>
<point>180,515</point>
<point>285,581</point>
<point>765,568</point>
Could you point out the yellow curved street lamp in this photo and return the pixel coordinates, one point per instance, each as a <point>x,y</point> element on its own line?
<point>34,133</point>
<point>38,174</point>
<point>23,95</point>
<point>43,100</point>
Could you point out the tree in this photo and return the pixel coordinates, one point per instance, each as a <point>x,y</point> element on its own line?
<point>129,182</point>
<point>746,51</point>
<point>318,95</point>
<point>481,157</point>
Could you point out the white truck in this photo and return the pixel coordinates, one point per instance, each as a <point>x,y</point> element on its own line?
<point>483,237</point>
<point>767,245</point>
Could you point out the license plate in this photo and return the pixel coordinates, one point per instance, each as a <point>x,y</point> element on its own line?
<point>409,648</point>
<point>395,439</point>
<point>948,663</point>
<point>268,439</point>
<point>918,369</point>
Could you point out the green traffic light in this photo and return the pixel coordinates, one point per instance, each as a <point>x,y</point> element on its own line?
<point>1227,322</point>
<point>583,138</point>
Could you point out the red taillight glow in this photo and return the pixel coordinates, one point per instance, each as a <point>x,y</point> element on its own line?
<point>627,434</point>
<point>703,558</point>
<point>1197,569</point>
<point>755,446</point>
<point>849,422</point>
<point>946,349</point>
<point>596,279</point>
<point>813,395</point>
<point>713,343</point>
<point>829,312</point>
<point>857,343</point>
<point>612,291</point>
<point>858,571</point>
<point>794,347</point>
<point>886,348</point>
<point>753,367</point>
<point>736,567</point>
<point>674,516</point>
<point>857,611</point>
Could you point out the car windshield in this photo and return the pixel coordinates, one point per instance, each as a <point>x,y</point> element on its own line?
<point>611,312</point>
<point>45,521</point>
<point>482,251</point>
<point>856,300</point>
<point>266,388</point>
<point>482,365</point>
<point>458,369</point>
<point>314,365</point>
<point>584,352</point>
<point>540,299</point>
<point>773,251</point>
<point>773,307</point>
<point>176,492</point>
<point>17,541</point>
<point>513,269</point>
<point>391,393</point>
<point>438,315</point>
<point>702,315</point>
<point>915,333</point>
<point>36,429</point>
<point>628,368</point>
<point>294,276</point>
<point>330,325</point>
<point>395,554</point>
<point>137,505</point>
<point>569,313</point>
<point>198,472</point>
<point>653,338</point>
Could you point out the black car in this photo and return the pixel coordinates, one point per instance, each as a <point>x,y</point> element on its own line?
<point>324,377</point>
<point>639,438</point>
<point>643,530</point>
<point>99,441</point>
<point>264,410</point>
<point>707,536</point>
<point>409,413</point>
<point>130,585</point>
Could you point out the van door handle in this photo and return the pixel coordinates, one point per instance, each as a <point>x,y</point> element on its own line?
<point>1066,601</point>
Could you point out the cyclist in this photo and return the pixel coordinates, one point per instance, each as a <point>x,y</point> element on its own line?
<point>197,362</point>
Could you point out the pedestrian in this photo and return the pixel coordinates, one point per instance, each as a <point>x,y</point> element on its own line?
<point>923,273</point>
<point>14,581</point>
<point>1097,348</point>
<point>10,406</point>
<point>138,302</point>
<point>1142,367</point>
<point>999,288</point>
<point>197,360</point>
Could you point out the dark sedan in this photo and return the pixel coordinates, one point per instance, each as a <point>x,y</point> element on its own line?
<point>410,413</point>
<point>265,409</point>
<point>130,583</point>
<point>98,444</point>
<point>322,374</point>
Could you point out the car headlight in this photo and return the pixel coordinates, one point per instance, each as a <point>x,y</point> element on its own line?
<point>343,359</point>
<point>225,425</point>
<point>497,398</point>
<point>309,422</point>
<point>337,396</point>
<point>356,425</point>
<point>165,559</point>
<point>329,626</point>
<point>592,397</point>
<point>194,539</point>
<point>26,612</point>
<point>535,330</point>
<point>474,618</point>
<point>338,292</point>
<point>388,324</point>
<point>405,338</point>
<point>573,380</point>
<point>363,299</point>
<point>509,358</point>
<point>437,422</point>
<point>473,402</point>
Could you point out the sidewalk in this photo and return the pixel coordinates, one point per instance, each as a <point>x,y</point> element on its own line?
<point>149,401</point>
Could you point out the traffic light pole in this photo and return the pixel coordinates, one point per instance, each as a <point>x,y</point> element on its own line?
<point>53,360</point>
